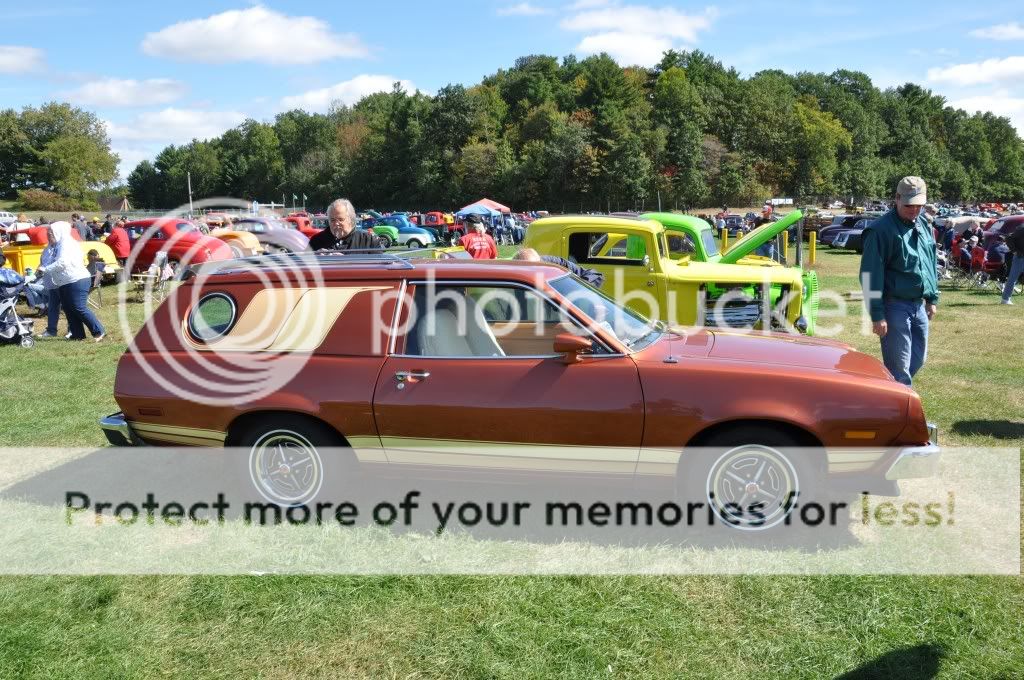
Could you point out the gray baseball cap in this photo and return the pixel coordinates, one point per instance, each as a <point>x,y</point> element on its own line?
<point>912,191</point>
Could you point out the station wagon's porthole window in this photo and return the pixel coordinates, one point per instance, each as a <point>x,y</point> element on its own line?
<point>212,317</point>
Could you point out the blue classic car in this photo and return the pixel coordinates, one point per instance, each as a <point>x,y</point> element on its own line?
<point>408,233</point>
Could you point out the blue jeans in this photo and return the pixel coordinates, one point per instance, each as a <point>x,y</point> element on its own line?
<point>74,298</point>
<point>905,344</point>
<point>1016,269</point>
<point>52,310</point>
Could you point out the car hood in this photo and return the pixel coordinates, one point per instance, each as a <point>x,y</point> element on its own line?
<point>738,273</point>
<point>755,239</point>
<point>763,349</point>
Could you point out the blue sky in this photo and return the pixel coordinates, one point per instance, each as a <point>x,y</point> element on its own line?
<point>162,73</point>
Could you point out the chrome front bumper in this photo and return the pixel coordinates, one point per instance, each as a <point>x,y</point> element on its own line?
<point>917,461</point>
<point>118,431</point>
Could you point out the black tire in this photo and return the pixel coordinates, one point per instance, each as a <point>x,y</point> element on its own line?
<point>752,477</point>
<point>413,244</point>
<point>290,461</point>
<point>385,241</point>
<point>236,251</point>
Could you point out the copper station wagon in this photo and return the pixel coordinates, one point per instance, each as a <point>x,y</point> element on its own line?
<point>405,353</point>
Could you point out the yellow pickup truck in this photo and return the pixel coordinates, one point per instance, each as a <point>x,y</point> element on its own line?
<point>642,271</point>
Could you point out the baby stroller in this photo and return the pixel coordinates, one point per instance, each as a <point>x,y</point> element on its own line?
<point>12,327</point>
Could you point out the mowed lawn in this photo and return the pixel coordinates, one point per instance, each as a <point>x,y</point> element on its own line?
<point>586,627</point>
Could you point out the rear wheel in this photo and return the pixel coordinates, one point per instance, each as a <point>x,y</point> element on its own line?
<point>413,244</point>
<point>290,461</point>
<point>385,240</point>
<point>28,342</point>
<point>236,251</point>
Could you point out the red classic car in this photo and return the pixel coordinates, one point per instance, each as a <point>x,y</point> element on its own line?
<point>180,239</point>
<point>303,224</point>
<point>389,357</point>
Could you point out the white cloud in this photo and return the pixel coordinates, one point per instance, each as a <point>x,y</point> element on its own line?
<point>254,34</point>
<point>1010,31</point>
<point>589,4</point>
<point>113,92</point>
<point>148,133</point>
<point>641,20</point>
<point>130,157</point>
<point>16,59</point>
<point>931,52</point>
<point>627,48</point>
<point>999,103</point>
<point>980,73</point>
<point>635,34</point>
<point>174,126</point>
<point>347,92</point>
<point>523,9</point>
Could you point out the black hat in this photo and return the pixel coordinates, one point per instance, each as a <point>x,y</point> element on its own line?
<point>474,219</point>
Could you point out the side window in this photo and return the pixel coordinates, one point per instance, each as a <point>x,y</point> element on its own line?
<point>484,321</point>
<point>607,248</point>
<point>680,245</point>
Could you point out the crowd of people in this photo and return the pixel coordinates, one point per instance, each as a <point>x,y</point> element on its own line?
<point>61,282</point>
<point>965,252</point>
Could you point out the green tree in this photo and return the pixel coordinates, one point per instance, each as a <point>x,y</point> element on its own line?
<point>144,186</point>
<point>681,114</point>
<point>75,164</point>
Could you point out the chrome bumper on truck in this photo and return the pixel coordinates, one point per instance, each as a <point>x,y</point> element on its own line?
<point>118,431</point>
<point>917,461</point>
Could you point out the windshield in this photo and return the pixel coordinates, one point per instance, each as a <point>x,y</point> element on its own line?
<point>185,226</point>
<point>631,329</point>
<point>710,245</point>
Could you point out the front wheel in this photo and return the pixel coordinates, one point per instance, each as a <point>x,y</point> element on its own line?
<point>413,244</point>
<point>385,241</point>
<point>751,478</point>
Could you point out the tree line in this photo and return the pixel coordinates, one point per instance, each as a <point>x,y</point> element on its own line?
<point>56,153</point>
<point>588,134</point>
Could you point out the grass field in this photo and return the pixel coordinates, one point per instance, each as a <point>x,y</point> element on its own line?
<point>272,626</point>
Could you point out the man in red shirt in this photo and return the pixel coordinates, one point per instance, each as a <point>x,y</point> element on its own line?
<point>477,243</point>
<point>119,243</point>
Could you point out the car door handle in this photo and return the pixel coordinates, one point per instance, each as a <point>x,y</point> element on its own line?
<point>411,376</point>
<point>650,284</point>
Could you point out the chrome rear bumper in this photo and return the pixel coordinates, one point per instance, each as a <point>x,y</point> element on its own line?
<point>118,431</point>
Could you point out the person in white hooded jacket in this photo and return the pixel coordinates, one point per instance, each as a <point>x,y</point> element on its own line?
<point>69,276</point>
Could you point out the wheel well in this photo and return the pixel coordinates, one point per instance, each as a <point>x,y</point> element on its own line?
<point>244,421</point>
<point>798,433</point>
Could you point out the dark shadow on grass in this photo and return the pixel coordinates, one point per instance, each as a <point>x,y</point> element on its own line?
<point>998,429</point>
<point>920,662</point>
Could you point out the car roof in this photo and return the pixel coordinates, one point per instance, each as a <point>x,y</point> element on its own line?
<point>336,265</point>
<point>604,221</point>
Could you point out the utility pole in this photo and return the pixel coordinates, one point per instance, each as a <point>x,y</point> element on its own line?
<point>189,176</point>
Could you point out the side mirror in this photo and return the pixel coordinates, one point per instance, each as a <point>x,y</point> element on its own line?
<point>647,260</point>
<point>571,346</point>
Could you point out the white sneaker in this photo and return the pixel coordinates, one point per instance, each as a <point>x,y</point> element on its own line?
<point>1006,302</point>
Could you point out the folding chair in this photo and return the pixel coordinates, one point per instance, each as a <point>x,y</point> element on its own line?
<point>95,298</point>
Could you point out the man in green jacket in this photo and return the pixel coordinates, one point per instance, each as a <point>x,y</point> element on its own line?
<point>898,275</point>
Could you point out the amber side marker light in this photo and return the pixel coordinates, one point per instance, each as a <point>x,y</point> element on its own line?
<point>859,434</point>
